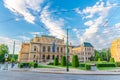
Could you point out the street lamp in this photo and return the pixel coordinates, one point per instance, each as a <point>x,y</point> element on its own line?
<point>67,57</point>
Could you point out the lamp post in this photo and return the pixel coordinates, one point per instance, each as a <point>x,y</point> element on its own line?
<point>67,57</point>
<point>13,54</point>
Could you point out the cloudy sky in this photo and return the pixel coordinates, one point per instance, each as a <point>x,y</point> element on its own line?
<point>94,21</point>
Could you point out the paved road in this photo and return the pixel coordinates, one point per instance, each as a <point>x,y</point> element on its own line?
<point>12,75</point>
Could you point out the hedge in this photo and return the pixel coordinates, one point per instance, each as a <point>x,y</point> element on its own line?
<point>28,65</point>
<point>87,66</point>
<point>105,65</point>
<point>118,64</point>
<point>82,64</point>
<point>51,63</point>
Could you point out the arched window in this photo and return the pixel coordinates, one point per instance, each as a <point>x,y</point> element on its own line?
<point>48,57</point>
<point>43,57</point>
<point>44,48</point>
<point>53,57</point>
<point>35,48</point>
<point>58,49</point>
<point>49,49</point>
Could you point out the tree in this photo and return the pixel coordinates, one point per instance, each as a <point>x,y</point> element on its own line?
<point>56,62</point>
<point>63,61</point>
<point>108,54</point>
<point>3,50</point>
<point>97,55</point>
<point>75,61</point>
<point>92,58</point>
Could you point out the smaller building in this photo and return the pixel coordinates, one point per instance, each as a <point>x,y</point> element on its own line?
<point>84,51</point>
<point>115,50</point>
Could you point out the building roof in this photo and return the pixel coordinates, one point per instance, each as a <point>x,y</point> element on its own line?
<point>47,36</point>
<point>87,44</point>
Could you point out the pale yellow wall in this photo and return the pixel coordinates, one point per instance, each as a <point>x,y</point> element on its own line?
<point>115,50</point>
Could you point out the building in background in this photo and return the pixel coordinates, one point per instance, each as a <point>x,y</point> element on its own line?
<point>46,48</point>
<point>43,49</point>
<point>115,50</point>
<point>84,51</point>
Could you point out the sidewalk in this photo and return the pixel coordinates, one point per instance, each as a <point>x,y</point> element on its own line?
<point>71,71</point>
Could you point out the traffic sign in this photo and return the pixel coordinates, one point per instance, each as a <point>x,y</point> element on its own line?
<point>6,55</point>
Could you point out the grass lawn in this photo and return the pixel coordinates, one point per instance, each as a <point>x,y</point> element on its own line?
<point>41,66</point>
<point>107,68</point>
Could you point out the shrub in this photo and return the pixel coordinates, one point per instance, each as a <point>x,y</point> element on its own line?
<point>51,63</point>
<point>118,64</point>
<point>99,59</point>
<point>56,62</point>
<point>75,61</point>
<point>35,65</point>
<point>31,64</point>
<point>63,61</point>
<point>82,64</point>
<point>20,65</point>
<point>70,64</point>
<point>112,60</point>
<point>106,65</point>
<point>87,66</point>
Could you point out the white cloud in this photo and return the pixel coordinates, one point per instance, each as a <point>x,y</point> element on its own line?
<point>10,42</point>
<point>24,38</point>
<point>54,25</point>
<point>95,33</point>
<point>23,7</point>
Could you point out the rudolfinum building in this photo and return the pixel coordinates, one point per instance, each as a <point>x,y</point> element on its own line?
<point>46,48</point>
<point>43,49</point>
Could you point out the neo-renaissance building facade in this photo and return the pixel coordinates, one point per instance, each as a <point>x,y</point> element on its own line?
<point>46,48</point>
<point>115,50</point>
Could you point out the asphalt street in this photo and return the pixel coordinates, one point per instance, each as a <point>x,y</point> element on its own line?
<point>15,75</point>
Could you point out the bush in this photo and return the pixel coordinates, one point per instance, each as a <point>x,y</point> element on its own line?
<point>56,62</point>
<point>82,64</point>
<point>112,60</point>
<point>28,65</point>
<point>20,65</point>
<point>51,63</point>
<point>99,59</point>
<point>35,65</point>
<point>87,66</point>
<point>31,64</point>
<point>106,65</point>
<point>118,64</point>
<point>63,61</point>
<point>70,64</point>
<point>75,61</point>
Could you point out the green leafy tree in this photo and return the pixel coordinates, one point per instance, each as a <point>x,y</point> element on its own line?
<point>3,50</point>
<point>108,54</point>
<point>63,61</point>
<point>92,58</point>
<point>75,61</point>
<point>56,62</point>
<point>97,55</point>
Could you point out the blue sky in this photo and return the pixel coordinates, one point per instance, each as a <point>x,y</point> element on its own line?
<point>94,21</point>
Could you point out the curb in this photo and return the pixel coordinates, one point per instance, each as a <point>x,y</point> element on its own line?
<point>71,73</point>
